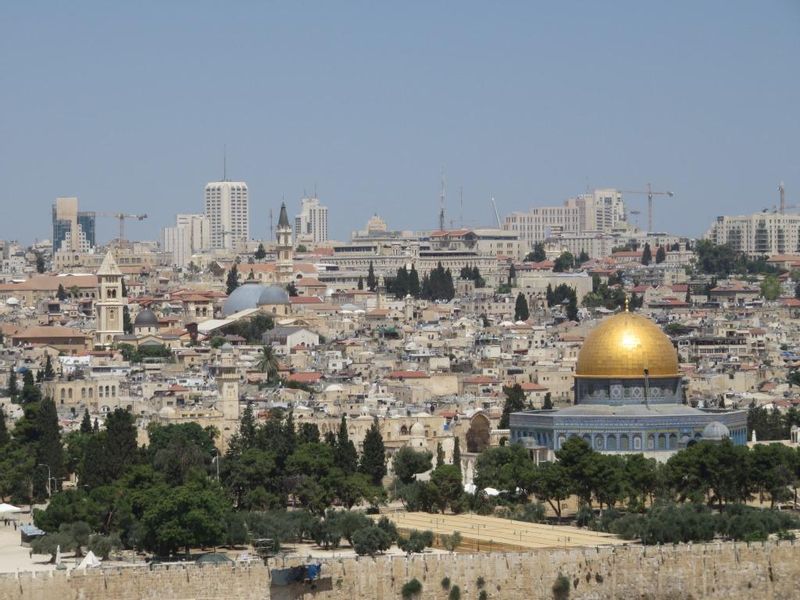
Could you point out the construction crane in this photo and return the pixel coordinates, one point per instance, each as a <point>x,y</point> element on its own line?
<point>649,193</point>
<point>782,191</point>
<point>121,218</point>
<point>496,214</point>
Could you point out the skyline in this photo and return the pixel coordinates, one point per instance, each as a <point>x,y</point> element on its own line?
<point>369,104</point>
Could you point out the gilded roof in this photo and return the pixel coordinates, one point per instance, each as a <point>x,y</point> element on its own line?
<point>623,346</point>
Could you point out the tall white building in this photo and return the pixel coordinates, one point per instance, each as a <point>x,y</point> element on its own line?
<point>761,234</point>
<point>228,211</point>
<point>191,235</point>
<point>597,211</point>
<point>199,229</point>
<point>311,225</point>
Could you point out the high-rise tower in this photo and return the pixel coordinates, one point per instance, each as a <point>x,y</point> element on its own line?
<point>110,303</point>
<point>285,250</point>
<point>228,211</point>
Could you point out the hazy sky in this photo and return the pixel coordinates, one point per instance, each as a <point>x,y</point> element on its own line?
<point>128,106</point>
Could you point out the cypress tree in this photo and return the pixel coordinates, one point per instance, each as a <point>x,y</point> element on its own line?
<point>457,453</point>
<point>49,373</point>
<point>13,388</point>
<point>373,458</point>
<point>512,274</point>
<point>232,282</point>
<point>360,282</point>
<point>521,312</point>
<point>345,453</point>
<point>439,454</point>
<point>86,422</point>
<point>647,255</point>
<point>49,450</point>
<point>3,429</point>
<point>372,281</point>
<point>413,282</point>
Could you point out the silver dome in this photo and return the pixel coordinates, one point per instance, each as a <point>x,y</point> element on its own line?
<point>252,295</point>
<point>146,318</point>
<point>716,431</point>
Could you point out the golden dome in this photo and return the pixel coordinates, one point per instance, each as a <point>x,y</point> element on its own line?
<point>623,346</point>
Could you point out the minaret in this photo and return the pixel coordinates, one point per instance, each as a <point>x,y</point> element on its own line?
<point>228,384</point>
<point>110,303</point>
<point>379,292</point>
<point>284,247</point>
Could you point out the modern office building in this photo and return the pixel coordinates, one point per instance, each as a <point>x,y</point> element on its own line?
<point>761,234</point>
<point>73,230</point>
<point>228,212</point>
<point>601,210</point>
<point>311,225</point>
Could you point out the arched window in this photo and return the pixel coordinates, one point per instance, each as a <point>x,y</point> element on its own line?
<point>63,394</point>
<point>69,393</point>
<point>83,393</point>
<point>624,443</point>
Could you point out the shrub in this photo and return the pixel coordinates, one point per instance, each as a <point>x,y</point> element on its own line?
<point>416,541</point>
<point>561,587</point>
<point>455,593</point>
<point>411,589</point>
<point>480,582</point>
<point>451,542</point>
<point>483,595</point>
<point>445,583</point>
<point>584,516</point>
<point>530,513</point>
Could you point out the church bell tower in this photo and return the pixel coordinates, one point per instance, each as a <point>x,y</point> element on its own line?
<point>285,249</point>
<point>110,303</point>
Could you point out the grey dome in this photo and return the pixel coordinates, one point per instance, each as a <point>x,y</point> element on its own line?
<point>253,295</point>
<point>716,431</point>
<point>273,294</point>
<point>146,318</point>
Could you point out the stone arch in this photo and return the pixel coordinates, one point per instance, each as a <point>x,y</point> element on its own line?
<point>611,443</point>
<point>478,433</point>
<point>624,442</point>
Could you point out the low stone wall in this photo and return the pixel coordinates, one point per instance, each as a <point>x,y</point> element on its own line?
<point>768,571</point>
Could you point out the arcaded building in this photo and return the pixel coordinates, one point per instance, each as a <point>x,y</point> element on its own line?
<point>628,397</point>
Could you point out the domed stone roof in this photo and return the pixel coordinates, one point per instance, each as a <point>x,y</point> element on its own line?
<point>253,295</point>
<point>273,294</point>
<point>146,318</point>
<point>715,432</point>
<point>623,346</point>
<point>418,430</point>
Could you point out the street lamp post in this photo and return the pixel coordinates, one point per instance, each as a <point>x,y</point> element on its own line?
<point>49,489</point>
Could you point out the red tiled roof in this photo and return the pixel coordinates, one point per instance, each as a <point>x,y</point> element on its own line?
<point>408,375</point>
<point>311,377</point>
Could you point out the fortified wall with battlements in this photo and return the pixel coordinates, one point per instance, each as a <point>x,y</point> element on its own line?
<point>726,570</point>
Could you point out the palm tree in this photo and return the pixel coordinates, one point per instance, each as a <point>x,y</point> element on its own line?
<point>268,363</point>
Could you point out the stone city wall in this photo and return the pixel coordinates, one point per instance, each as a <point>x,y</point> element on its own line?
<point>769,571</point>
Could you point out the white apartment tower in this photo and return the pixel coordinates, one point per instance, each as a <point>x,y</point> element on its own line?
<point>191,235</point>
<point>761,234</point>
<point>228,212</point>
<point>311,225</point>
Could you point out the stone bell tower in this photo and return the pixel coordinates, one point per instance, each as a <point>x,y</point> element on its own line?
<point>228,384</point>
<point>284,247</point>
<point>110,304</point>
